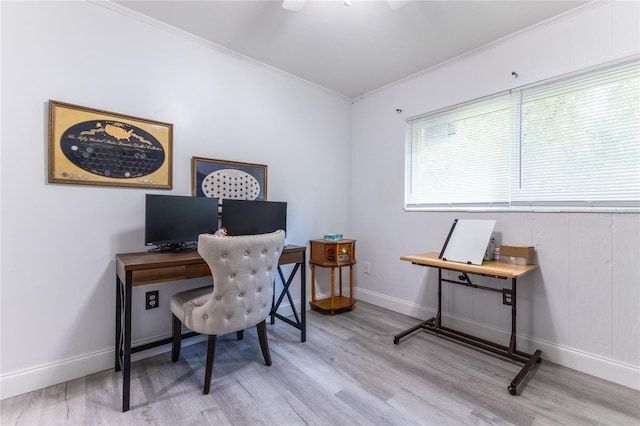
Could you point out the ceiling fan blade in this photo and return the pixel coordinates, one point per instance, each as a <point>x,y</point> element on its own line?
<point>294,5</point>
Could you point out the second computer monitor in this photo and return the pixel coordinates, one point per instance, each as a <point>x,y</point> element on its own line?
<point>243,217</point>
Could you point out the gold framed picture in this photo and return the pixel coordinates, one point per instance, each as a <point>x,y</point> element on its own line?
<point>228,179</point>
<point>93,147</point>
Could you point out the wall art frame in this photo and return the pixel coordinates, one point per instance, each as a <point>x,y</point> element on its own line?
<point>228,179</point>
<point>89,146</point>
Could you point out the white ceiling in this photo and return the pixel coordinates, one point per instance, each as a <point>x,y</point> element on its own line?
<point>351,50</point>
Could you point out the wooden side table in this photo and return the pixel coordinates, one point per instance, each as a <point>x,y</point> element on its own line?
<point>333,254</point>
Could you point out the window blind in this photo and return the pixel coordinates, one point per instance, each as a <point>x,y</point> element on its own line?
<point>580,141</point>
<point>460,157</point>
<point>573,142</point>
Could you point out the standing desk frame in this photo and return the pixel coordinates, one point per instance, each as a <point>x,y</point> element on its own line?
<point>488,269</point>
<point>134,269</point>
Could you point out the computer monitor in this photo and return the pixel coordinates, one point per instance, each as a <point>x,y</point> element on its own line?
<point>243,217</point>
<point>173,222</point>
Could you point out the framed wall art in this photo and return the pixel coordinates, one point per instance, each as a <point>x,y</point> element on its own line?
<point>228,179</point>
<point>92,147</point>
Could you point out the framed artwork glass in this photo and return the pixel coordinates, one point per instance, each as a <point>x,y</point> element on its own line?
<point>228,179</point>
<point>93,147</point>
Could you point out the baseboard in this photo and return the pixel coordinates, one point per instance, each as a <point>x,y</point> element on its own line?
<point>23,381</point>
<point>40,377</point>
<point>31,379</point>
<point>43,376</point>
<point>607,369</point>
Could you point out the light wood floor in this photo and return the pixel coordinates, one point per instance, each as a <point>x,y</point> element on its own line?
<point>348,372</point>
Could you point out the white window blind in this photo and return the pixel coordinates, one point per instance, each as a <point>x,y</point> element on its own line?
<point>580,141</point>
<point>460,156</point>
<point>571,142</point>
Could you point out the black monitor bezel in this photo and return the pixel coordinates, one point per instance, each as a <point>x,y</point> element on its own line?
<point>251,217</point>
<point>176,208</point>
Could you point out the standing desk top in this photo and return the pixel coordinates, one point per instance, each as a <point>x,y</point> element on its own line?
<point>498,269</point>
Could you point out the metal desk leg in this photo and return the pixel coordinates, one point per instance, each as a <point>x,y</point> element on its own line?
<point>532,358</point>
<point>126,362</point>
<point>286,283</point>
<point>118,344</point>
<point>438,318</point>
<point>313,285</point>
<point>435,325</point>
<point>431,324</point>
<point>512,341</point>
<point>299,322</point>
<point>274,305</point>
<point>303,298</point>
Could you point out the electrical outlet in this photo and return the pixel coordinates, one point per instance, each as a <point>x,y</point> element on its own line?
<point>506,297</point>
<point>366,267</point>
<point>152,299</point>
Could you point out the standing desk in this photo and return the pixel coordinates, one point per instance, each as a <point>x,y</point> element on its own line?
<point>134,269</point>
<point>489,269</point>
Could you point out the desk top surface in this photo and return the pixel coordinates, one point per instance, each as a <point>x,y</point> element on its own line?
<point>498,269</point>
<point>155,259</point>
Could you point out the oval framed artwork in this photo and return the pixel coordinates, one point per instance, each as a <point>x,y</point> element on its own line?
<point>93,147</point>
<point>228,179</point>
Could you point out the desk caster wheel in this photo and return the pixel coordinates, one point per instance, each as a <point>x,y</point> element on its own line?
<point>512,389</point>
<point>396,340</point>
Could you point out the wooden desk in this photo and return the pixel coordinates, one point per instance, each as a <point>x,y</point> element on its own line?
<point>134,269</point>
<point>489,269</point>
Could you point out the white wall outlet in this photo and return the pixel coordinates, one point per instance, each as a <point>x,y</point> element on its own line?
<point>366,267</point>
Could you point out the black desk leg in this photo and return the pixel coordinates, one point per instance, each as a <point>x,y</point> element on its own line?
<point>303,298</point>
<point>438,319</point>
<point>428,324</point>
<point>126,362</point>
<point>435,325</point>
<point>300,320</point>
<point>514,299</point>
<point>273,303</point>
<point>531,358</point>
<point>118,344</point>
<point>431,324</point>
<point>285,291</point>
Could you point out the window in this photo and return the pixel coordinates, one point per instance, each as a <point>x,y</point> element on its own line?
<point>573,142</point>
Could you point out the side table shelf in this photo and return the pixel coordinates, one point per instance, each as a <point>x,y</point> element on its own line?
<point>333,254</point>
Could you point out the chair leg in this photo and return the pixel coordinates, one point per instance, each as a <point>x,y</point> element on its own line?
<point>264,344</point>
<point>211,351</point>
<point>240,334</point>
<point>177,337</point>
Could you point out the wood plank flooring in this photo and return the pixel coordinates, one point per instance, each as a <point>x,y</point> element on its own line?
<point>348,372</point>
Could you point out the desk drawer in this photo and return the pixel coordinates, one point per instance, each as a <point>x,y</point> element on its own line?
<point>198,270</point>
<point>290,257</point>
<point>156,275</point>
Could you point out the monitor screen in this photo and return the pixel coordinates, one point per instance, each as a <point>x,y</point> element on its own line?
<point>174,221</point>
<point>242,217</point>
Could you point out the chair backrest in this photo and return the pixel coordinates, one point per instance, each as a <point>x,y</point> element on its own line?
<point>243,269</point>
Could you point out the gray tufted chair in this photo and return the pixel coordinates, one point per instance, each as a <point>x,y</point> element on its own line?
<point>243,269</point>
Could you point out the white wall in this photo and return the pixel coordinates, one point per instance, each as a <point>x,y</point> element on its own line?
<point>582,307</point>
<point>59,241</point>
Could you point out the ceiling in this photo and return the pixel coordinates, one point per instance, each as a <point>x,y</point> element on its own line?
<point>351,50</point>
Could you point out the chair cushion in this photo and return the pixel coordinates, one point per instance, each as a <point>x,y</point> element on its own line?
<point>184,302</point>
